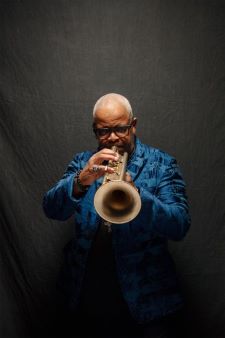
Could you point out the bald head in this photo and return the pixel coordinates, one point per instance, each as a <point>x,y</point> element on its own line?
<point>114,118</point>
<point>111,100</point>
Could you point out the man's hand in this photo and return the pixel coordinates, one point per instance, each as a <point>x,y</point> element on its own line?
<point>95,169</point>
<point>128,179</point>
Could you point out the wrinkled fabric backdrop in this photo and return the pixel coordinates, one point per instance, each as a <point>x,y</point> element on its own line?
<point>57,57</point>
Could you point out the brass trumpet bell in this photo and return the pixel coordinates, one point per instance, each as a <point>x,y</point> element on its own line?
<point>117,201</point>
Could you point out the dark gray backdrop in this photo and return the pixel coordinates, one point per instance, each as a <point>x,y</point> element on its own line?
<point>57,58</point>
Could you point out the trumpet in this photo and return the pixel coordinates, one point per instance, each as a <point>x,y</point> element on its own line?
<point>117,201</point>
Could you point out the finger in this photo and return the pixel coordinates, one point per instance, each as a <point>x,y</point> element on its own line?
<point>104,156</point>
<point>107,151</point>
<point>101,157</point>
<point>105,169</point>
<point>128,178</point>
<point>96,169</point>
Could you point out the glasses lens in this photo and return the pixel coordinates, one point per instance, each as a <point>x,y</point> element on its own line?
<point>121,131</point>
<point>102,132</point>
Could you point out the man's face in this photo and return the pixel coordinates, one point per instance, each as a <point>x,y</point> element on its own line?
<point>115,115</point>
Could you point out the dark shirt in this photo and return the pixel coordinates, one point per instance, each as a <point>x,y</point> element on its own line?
<point>101,294</point>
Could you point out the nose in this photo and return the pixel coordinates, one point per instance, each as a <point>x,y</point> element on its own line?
<point>113,136</point>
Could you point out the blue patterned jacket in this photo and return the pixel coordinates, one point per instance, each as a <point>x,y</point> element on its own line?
<point>145,269</point>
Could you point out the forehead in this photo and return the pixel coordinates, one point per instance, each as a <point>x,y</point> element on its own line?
<point>111,114</point>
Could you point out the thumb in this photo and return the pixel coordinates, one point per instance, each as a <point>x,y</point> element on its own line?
<point>128,178</point>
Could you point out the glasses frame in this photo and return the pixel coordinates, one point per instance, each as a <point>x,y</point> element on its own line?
<point>113,129</point>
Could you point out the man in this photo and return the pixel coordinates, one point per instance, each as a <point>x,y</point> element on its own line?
<point>121,282</point>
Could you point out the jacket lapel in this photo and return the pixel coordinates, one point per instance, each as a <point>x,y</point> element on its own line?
<point>137,160</point>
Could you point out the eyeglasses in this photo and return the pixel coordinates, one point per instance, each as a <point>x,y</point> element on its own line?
<point>120,131</point>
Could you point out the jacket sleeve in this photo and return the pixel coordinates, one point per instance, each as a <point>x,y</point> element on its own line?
<point>169,207</point>
<point>59,202</point>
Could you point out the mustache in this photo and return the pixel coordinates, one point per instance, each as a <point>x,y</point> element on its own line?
<point>121,147</point>
<point>110,145</point>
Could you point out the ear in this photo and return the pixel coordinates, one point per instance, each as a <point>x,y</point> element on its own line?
<point>93,127</point>
<point>134,124</point>
<point>134,121</point>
